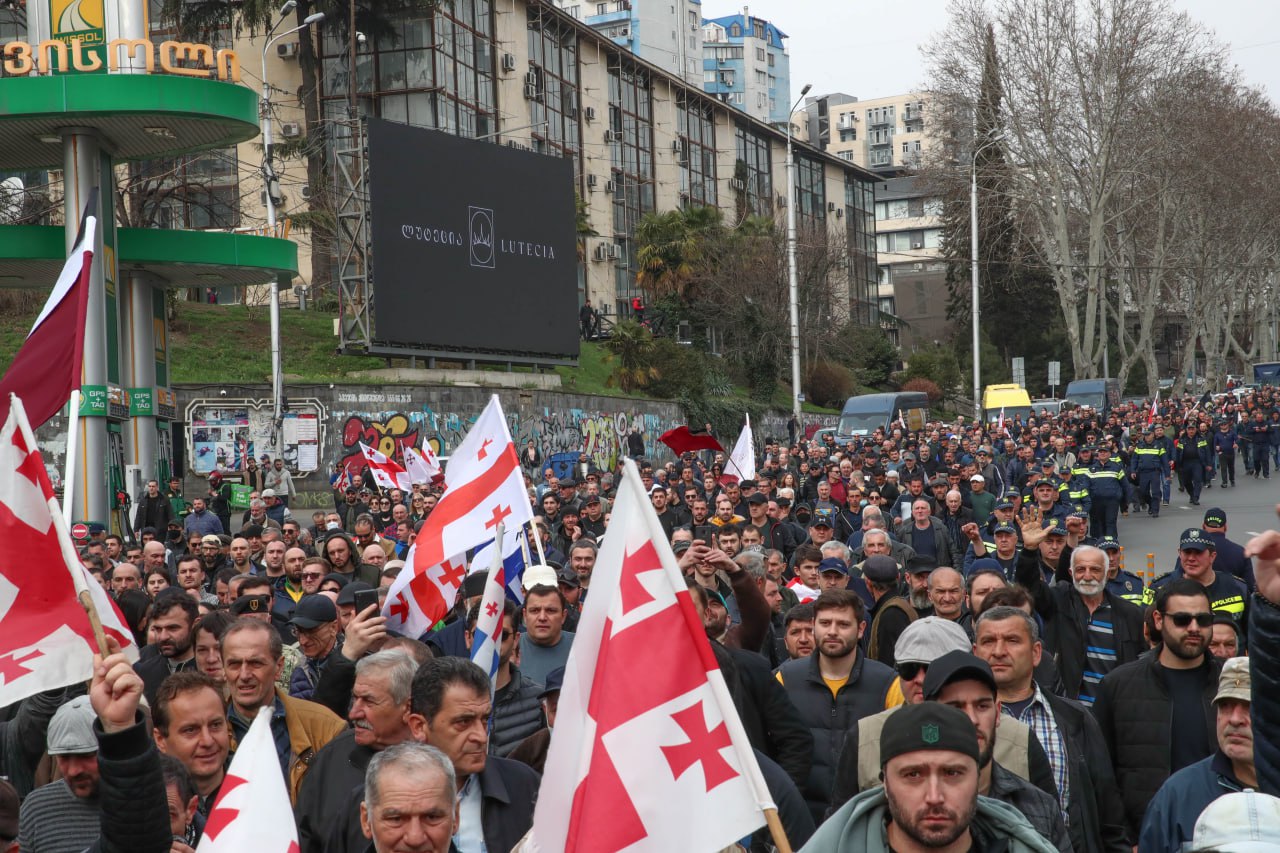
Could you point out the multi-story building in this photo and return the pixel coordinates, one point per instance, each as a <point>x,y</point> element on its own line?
<point>665,33</point>
<point>745,64</point>
<point>642,139</point>
<point>888,135</point>
<point>912,287</point>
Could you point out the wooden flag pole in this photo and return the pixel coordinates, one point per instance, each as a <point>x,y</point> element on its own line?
<point>73,450</point>
<point>95,622</point>
<point>537,542</point>
<point>775,829</point>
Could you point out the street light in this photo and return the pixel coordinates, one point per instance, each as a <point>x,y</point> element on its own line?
<point>792,283</point>
<point>272,184</point>
<point>973,273</point>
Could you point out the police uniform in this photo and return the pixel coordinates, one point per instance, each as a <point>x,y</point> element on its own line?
<point>1146,464</point>
<point>1106,490</point>
<point>1227,593</point>
<point>1125,585</point>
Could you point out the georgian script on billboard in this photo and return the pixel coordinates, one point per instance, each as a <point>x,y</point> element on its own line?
<point>174,57</point>
<point>481,240</point>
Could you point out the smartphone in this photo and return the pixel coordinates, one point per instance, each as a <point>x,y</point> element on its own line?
<point>705,532</point>
<point>365,598</point>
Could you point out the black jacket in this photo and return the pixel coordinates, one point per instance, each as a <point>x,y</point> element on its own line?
<point>1134,712</point>
<point>770,718</point>
<point>1097,812</point>
<point>831,718</point>
<point>1065,624</point>
<point>1040,809</point>
<point>135,808</point>
<point>337,680</point>
<point>153,671</point>
<point>1264,667</point>
<point>517,713</point>
<point>154,512</point>
<point>335,772</point>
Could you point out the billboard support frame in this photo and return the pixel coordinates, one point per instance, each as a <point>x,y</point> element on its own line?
<point>351,175</point>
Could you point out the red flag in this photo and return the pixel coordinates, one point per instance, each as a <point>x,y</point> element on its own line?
<point>658,763</point>
<point>253,796</point>
<point>45,638</point>
<point>47,367</point>
<point>680,440</point>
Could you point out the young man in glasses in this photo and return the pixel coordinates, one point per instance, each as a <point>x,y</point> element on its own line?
<point>1155,713</point>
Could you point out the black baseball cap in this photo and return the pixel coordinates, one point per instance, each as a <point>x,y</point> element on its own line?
<point>1215,517</point>
<point>314,611</point>
<point>956,666</point>
<point>1194,539</point>
<point>927,726</point>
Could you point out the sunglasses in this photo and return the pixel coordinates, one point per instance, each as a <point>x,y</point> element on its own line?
<point>1182,620</point>
<point>308,576</point>
<point>910,670</point>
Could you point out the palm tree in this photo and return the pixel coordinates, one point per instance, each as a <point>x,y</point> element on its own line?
<point>631,345</point>
<point>670,249</point>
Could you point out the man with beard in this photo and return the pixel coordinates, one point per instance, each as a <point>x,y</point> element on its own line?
<point>797,631</point>
<point>965,682</point>
<point>63,816</point>
<point>834,687</point>
<point>929,801</point>
<point>1155,712</point>
<point>890,613</point>
<point>517,711</point>
<point>191,579</point>
<point>1087,628</point>
<point>172,622</point>
<point>240,559</point>
<point>211,556</point>
<point>1171,817</point>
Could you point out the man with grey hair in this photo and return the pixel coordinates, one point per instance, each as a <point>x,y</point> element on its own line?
<point>379,720</point>
<point>1088,629</point>
<point>410,800</point>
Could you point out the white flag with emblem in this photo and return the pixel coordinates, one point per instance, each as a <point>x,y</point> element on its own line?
<point>45,638</point>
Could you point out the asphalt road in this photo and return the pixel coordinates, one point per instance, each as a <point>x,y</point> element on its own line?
<point>1250,508</point>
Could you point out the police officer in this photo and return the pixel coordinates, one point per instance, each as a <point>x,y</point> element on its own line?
<point>1076,481</point>
<point>1127,585</point>
<point>1196,554</point>
<point>1225,442</point>
<point>1190,460</point>
<point>1145,465</point>
<point>1204,443</point>
<point>1106,491</point>
<point>1166,475</point>
<point>1258,433</point>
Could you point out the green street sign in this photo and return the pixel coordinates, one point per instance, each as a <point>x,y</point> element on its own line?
<point>93,401</point>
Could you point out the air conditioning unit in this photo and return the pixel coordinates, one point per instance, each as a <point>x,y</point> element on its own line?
<point>508,62</point>
<point>530,91</point>
<point>602,252</point>
<point>738,184</point>
<point>290,129</point>
<point>916,245</point>
<point>591,182</point>
<point>675,146</point>
<point>531,79</point>
<point>306,191</point>
<point>612,136</point>
<point>287,50</point>
<point>831,207</point>
<point>609,187</point>
<point>839,213</point>
<point>589,113</point>
<point>615,251</point>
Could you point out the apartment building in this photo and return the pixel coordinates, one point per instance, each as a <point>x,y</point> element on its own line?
<point>746,66</point>
<point>665,33</point>
<point>642,138</point>
<point>887,135</point>
<point>912,287</point>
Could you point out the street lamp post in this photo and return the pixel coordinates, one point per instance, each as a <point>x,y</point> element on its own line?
<point>792,282</point>
<point>973,275</point>
<point>272,184</point>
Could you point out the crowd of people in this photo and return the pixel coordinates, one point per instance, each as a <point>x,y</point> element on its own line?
<point>928,636</point>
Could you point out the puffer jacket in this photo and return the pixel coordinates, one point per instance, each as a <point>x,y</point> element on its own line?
<point>1134,712</point>
<point>1171,817</point>
<point>859,825</point>
<point>831,718</point>
<point>1264,667</point>
<point>517,713</point>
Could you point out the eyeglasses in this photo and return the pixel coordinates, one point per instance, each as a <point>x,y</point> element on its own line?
<point>910,670</point>
<point>384,503</point>
<point>1182,620</point>
<point>310,576</point>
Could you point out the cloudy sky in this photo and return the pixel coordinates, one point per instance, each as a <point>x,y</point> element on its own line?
<point>872,49</point>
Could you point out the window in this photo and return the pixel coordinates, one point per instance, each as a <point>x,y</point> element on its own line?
<point>811,190</point>
<point>436,72</point>
<point>761,78</point>
<point>753,169</point>
<point>759,54</point>
<point>860,239</point>
<point>602,8</point>
<point>771,60</point>
<point>735,31</point>
<point>553,48</point>
<point>697,130</point>
<point>917,146</point>
<point>848,134</point>
<point>845,155</point>
<point>906,147</point>
<point>631,120</point>
<point>757,29</point>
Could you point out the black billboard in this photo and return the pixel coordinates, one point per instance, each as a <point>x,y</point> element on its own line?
<point>474,244</point>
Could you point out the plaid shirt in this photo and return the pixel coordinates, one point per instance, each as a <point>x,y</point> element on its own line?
<point>1039,718</point>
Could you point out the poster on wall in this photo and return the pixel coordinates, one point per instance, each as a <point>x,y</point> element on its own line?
<point>225,434</point>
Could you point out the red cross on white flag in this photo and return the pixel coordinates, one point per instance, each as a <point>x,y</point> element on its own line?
<point>657,763</point>
<point>418,600</point>
<point>252,799</point>
<point>45,638</point>
<point>386,473</point>
<point>484,486</point>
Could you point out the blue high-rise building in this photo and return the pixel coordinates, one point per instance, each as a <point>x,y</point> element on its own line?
<point>745,64</point>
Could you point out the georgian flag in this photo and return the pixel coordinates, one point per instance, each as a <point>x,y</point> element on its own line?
<point>421,466</point>
<point>486,641</point>
<point>513,562</point>
<point>386,473</point>
<point>418,600</point>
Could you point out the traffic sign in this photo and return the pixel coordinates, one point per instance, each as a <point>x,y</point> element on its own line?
<point>79,530</point>
<point>1055,373</point>
<point>1020,371</point>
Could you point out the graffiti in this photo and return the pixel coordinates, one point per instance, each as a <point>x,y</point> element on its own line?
<point>389,437</point>
<point>774,425</point>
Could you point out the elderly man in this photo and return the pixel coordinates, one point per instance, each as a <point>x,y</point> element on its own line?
<point>315,621</point>
<point>1171,816</point>
<point>929,760</point>
<point>410,800</point>
<point>379,717</point>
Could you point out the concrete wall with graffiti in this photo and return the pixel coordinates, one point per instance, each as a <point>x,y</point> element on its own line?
<point>561,426</point>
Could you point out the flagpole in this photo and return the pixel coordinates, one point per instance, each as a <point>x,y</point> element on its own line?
<point>537,542</point>
<point>775,829</point>
<point>69,466</point>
